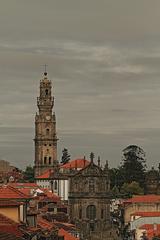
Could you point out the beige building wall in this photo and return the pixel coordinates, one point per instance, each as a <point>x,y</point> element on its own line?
<point>139,207</point>
<point>11,212</point>
<point>4,166</point>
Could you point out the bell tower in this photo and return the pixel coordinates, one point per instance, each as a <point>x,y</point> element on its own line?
<point>45,129</point>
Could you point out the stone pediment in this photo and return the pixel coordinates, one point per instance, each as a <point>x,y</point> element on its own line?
<point>90,170</point>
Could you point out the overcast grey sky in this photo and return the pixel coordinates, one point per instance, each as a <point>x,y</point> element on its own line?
<point>104,59</point>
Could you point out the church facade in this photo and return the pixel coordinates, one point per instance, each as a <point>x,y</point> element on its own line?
<point>45,130</point>
<point>89,202</point>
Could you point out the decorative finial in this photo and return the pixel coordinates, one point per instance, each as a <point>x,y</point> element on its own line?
<point>99,161</point>
<point>92,157</point>
<point>106,165</point>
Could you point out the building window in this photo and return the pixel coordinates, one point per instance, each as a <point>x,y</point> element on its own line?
<point>80,213</point>
<point>55,185</point>
<point>91,185</point>
<point>46,92</point>
<point>50,160</point>
<point>91,212</point>
<point>45,160</point>
<point>47,131</point>
<point>102,213</point>
<point>50,144</point>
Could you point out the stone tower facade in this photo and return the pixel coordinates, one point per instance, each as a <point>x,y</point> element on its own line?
<point>45,129</point>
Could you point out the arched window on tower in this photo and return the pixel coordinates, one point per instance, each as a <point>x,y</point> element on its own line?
<point>45,160</point>
<point>50,160</point>
<point>46,91</point>
<point>47,131</point>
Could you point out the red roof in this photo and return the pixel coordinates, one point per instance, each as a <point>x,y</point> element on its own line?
<point>67,236</point>
<point>146,214</point>
<point>144,199</point>
<point>151,231</point>
<point>76,163</point>
<point>46,174</point>
<point>50,194</point>
<point>8,192</point>
<point>9,226</point>
<point>23,185</point>
<point>9,203</point>
<point>45,224</point>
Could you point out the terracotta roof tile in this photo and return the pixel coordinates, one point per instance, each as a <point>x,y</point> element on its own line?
<point>67,236</point>
<point>9,203</point>
<point>5,235</point>
<point>8,192</point>
<point>8,225</point>
<point>45,224</point>
<point>150,229</point>
<point>76,163</point>
<point>146,214</point>
<point>23,185</point>
<point>46,174</point>
<point>144,198</point>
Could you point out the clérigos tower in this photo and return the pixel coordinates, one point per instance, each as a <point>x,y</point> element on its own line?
<point>45,129</point>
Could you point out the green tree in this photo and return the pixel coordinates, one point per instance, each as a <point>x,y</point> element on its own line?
<point>116,177</point>
<point>132,188</point>
<point>65,156</point>
<point>29,174</point>
<point>133,165</point>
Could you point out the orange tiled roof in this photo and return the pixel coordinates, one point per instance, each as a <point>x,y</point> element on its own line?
<point>76,163</point>
<point>23,185</point>
<point>8,192</point>
<point>46,174</point>
<point>67,236</point>
<point>150,230</point>
<point>45,224</point>
<point>9,236</point>
<point>9,226</point>
<point>9,203</point>
<point>50,194</point>
<point>146,214</point>
<point>144,198</point>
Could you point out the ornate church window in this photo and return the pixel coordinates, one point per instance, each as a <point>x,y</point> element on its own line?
<point>91,212</point>
<point>91,185</point>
